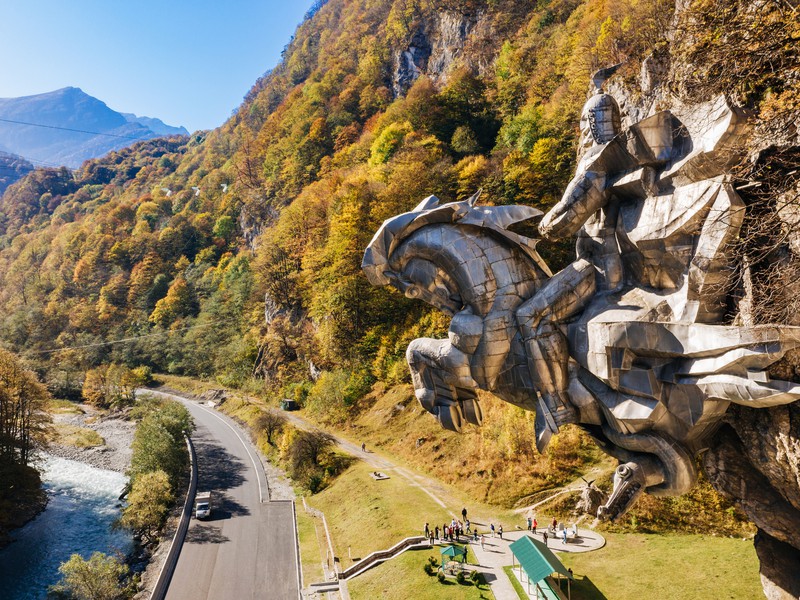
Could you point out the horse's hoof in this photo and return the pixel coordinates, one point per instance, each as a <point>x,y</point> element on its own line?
<point>472,411</point>
<point>450,417</point>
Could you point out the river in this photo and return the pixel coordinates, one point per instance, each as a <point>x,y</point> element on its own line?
<point>82,506</point>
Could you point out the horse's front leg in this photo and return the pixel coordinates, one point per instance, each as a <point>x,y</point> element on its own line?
<point>443,382</point>
<point>538,319</point>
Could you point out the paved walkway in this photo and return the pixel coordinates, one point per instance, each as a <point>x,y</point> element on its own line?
<point>495,555</point>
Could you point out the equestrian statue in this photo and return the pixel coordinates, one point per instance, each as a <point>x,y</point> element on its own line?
<point>633,341</point>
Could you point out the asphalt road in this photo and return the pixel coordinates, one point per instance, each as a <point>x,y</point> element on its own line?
<point>247,549</point>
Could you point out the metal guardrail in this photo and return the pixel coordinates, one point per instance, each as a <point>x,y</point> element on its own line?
<point>168,568</point>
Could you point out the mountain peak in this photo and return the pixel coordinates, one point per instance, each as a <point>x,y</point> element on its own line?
<point>67,126</point>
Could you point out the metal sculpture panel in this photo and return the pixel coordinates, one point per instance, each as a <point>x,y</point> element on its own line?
<point>630,340</point>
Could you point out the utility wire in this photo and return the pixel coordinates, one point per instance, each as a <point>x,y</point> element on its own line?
<point>125,340</point>
<point>115,135</point>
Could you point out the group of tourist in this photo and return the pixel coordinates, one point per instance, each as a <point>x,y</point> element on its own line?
<point>554,530</point>
<point>452,531</point>
<point>455,529</point>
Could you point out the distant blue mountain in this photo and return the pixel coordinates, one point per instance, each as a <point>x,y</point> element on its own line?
<point>12,168</point>
<point>68,126</point>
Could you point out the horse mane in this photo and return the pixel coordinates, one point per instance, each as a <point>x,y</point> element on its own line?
<point>494,219</point>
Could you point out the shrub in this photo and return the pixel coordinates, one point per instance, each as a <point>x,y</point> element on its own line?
<point>314,483</point>
<point>461,579</point>
<point>102,577</point>
<point>148,504</point>
<point>428,568</point>
<point>440,576</point>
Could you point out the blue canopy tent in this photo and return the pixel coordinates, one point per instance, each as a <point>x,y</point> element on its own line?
<point>536,563</point>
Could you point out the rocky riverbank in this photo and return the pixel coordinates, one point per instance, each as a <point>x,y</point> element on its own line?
<point>116,431</point>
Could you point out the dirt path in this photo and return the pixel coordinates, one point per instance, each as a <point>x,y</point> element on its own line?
<point>575,485</point>
<point>431,487</point>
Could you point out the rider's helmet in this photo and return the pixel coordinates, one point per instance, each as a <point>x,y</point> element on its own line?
<point>600,119</point>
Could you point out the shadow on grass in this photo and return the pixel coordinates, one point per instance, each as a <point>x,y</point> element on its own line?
<point>584,588</point>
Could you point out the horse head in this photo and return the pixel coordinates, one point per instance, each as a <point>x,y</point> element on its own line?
<point>456,255</point>
<point>464,260</point>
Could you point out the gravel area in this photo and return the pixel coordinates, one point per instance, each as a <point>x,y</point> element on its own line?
<point>117,432</point>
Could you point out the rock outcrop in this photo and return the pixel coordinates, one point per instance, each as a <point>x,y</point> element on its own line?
<point>434,48</point>
<point>754,458</point>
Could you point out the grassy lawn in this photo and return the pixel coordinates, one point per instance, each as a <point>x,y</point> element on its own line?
<point>668,567</point>
<point>58,406</point>
<point>404,577</point>
<point>365,515</point>
<point>509,571</point>
<point>72,435</point>
<point>312,542</point>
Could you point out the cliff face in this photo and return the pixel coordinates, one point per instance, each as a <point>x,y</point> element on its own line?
<point>441,41</point>
<point>754,458</point>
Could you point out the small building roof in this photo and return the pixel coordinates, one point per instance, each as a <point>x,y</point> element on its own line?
<point>536,558</point>
<point>454,551</point>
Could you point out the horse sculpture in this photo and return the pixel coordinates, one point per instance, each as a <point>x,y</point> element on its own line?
<point>629,341</point>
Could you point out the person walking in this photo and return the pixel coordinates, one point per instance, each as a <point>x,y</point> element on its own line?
<point>491,528</point>
<point>530,523</point>
<point>363,447</point>
<point>427,530</point>
<point>468,526</point>
<point>555,524</point>
<point>544,535</point>
<point>481,542</point>
<point>436,530</point>
<point>464,513</point>
<point>535,525</point>
<point>500,531</point>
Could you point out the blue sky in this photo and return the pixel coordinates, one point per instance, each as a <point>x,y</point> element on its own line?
<point>186,62</point>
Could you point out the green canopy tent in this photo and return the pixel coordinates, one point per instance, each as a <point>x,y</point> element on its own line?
<point>458,553</point>
<point>536,563</point>
<point>453,553</point>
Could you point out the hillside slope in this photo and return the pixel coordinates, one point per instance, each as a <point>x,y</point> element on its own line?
<point>235,254</point>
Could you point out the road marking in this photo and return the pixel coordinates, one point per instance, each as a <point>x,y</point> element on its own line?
<point>244,445</point>
<point>236,433</point>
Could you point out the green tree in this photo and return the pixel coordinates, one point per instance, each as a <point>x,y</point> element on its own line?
<point>22,412</point>
<point>388,142</point>
<point>464,140</point>
<point>102,577</point>
<point>225,228</point>
<point>148,504</point>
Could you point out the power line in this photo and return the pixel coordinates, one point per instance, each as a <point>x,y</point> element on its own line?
<point>115,135</point>
<point>125,340</point>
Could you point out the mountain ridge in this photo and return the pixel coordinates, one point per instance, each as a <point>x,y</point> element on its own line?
<point>68,126</point>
